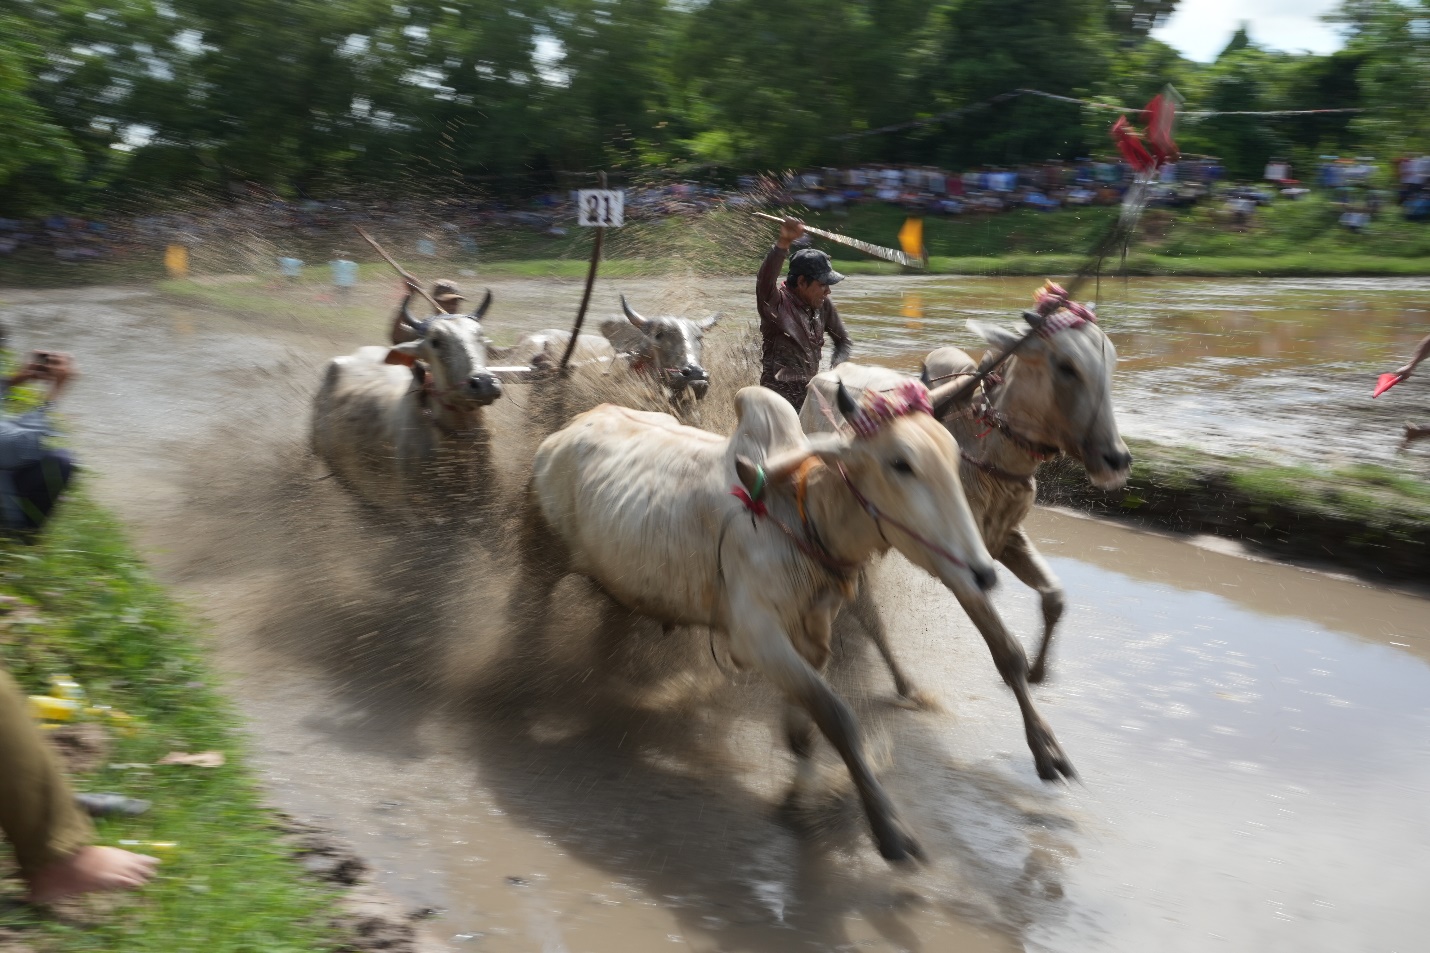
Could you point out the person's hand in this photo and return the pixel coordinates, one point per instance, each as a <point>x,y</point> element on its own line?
<point>31,370</point>
<point>58,370</point>
<point>1404,372</point>
<point>791,231</point>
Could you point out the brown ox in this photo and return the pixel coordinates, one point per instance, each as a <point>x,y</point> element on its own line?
<point>644,507</point>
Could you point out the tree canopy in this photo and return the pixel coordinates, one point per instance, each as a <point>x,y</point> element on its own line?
<point>102,99</point>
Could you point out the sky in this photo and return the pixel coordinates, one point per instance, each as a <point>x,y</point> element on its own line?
<point>1200,29</point>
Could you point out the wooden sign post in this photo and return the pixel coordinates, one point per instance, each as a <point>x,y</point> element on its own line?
<point>599,209</point>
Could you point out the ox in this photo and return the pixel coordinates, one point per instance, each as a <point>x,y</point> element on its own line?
<point>1054,396</point>
<point>644,507</point>
<point>542,350</point>
<point>393,422</point>
<point>667,348</point>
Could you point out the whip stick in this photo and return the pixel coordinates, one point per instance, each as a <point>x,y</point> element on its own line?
<point>879,251</point>
<point>1120,231</point>
<point>585,295</point>
<point>398,268</point>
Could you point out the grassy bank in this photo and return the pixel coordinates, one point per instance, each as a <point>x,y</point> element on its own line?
<point>88,608</point>
<point>1367,518</point>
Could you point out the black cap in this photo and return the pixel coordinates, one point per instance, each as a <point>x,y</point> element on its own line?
<point>814,265</point>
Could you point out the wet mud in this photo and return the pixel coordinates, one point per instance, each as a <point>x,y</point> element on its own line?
<point>1250,736</point>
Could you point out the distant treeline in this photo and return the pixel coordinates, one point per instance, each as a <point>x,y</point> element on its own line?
<point>104,102</point>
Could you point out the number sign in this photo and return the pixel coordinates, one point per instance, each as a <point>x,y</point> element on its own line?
<point>602,208</point>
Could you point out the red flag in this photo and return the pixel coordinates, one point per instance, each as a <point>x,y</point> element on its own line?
<point>1130,145</point>
<point>1160,113</point>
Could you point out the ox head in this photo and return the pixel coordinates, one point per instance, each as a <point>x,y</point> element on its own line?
<point>672,349</point>
<point>455,352</point>
<point>905,464</point>
<point>1058,391</point>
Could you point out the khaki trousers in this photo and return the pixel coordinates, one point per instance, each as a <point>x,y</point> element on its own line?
<point>38,814</point>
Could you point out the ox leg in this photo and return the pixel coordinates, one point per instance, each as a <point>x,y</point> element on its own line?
<point>863,608</point>
<point>1012,664</point>
<point>766,647</point>
<point>542,563</point>
<point>1024,561</point>
<point>799,734</point>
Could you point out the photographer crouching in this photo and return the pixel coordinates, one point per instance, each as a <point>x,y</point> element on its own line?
<point>32,475</point>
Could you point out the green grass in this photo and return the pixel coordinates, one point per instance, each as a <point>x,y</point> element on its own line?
<point>1368,517</point>
<point>1286,239</point>
<point>92,611</point>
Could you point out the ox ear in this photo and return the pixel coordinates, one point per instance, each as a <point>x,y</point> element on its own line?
<point>642,324</point>
<point>1000,337</point>
<point>777,469</point>
<point>709,322</point>
<point>405,353</point>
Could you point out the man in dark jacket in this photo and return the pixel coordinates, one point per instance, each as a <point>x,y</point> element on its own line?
<point>796,314</point>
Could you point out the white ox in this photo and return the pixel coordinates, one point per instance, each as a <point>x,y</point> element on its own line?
<point>644,507</point>
<point>394,424</point>
<point>541,351</point>
<point>1055,396</point>
<point>667,348</point>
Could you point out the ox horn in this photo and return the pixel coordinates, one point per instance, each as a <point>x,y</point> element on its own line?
<point>482,308</point>
<point>633,317</point>
<point>941,396</point>
<point>845,401</point>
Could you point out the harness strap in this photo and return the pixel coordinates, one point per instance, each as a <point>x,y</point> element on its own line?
<point>997,472</point>
<point>996,421</point>
<point>880,518</point>
<point>808,544</point>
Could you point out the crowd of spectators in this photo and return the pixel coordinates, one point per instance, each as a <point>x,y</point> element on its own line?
<point>1413,177</point>
<point>446,226</point>
<point>437,225</point>
<point>1043,186</point>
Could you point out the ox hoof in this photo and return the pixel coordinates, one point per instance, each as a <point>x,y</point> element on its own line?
<point>897,845</point>
<point>919,700</point>
<point>1037,673</point>
<point>1048,756</point>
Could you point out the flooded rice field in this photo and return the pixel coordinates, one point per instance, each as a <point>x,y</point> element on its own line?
<point>1252,740</point>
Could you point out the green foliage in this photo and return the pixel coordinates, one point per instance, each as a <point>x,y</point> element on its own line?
<point>88,608</point>
<point>105,101</point>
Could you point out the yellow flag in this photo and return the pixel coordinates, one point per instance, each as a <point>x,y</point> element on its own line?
<point>911,237</point>
<point>176,260</point>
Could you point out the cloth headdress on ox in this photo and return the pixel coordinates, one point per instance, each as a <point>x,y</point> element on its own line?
<point>1060,311</point>
<point>876,408</point>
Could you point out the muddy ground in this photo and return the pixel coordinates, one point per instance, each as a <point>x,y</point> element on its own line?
<point>1250,737</point>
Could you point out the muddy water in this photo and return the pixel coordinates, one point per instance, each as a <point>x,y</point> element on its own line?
<point>1251,738</point>
<point>1273,366</point>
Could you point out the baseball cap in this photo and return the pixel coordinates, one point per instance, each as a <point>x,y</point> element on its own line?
<point>446,291</point>
<point>814,265</point>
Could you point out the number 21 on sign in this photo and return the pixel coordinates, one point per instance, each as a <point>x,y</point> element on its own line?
<point>601,208</point>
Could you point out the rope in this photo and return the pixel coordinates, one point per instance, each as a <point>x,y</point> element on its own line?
<point>1089,103</point>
